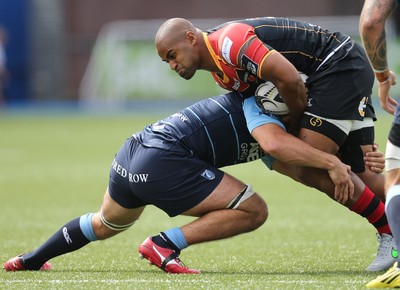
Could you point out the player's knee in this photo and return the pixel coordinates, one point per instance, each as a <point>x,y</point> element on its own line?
<point>104,229</point>
<point>255,207</point>
<point>100,231</point>
<point>261,213</point>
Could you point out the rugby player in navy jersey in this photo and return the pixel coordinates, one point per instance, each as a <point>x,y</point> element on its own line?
<point>173,165</point>
<point>337,115</point>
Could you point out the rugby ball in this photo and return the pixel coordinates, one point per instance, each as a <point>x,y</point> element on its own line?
<point>269,99</point>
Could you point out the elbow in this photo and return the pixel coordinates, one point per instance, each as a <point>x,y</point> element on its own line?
<point>369,24</point>
<point>272,148</point>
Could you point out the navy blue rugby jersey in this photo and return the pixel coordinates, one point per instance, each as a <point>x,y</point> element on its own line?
<point>214,130</point>
<point>305,45</point>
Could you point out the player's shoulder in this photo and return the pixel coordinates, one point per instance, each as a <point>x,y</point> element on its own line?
<point>237,31</point>
<point>231,38</point>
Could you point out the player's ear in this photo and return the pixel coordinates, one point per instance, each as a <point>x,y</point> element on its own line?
<point>191,37</point>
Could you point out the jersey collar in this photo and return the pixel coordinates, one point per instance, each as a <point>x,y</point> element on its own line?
<point>217,59</point>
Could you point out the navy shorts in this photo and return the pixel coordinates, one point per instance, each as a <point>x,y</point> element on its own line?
<point>173,180</point>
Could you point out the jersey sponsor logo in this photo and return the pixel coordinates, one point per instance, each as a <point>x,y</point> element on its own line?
<point>315,122</point>
<point>249,151</point>
<point>226,49</point>
<point>362,106</point>
<point>208,174</point>
<point>236,84</point>
<point>135,178</point>
<point>249,64</point>
<point>66,235</point>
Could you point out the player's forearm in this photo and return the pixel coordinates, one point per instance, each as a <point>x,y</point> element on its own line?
<point>305,155</point>
<point>293,151</point>
<point>372,31</point>
<point>295,98</point>
<point>374,40</point>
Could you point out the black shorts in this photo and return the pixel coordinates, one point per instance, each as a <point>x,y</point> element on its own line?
<point>342,88</point>
<point>349,139</point>
<point>172,180</point>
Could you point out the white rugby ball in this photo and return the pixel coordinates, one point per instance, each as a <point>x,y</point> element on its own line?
<point>269,99</point>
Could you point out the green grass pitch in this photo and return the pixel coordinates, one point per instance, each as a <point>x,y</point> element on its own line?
<point>55,168</point>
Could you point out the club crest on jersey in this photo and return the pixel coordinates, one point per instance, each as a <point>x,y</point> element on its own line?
<point>208,174</point>
<point>226,49</point>
<point>248,77</point>
<point>362,106</point>
<point>249,65</point>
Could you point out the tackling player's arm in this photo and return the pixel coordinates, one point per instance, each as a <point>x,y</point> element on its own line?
<point>288,149</point>
<point>270,133</point>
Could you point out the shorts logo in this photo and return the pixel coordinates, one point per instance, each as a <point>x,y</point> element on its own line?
<point>207,174</point>
<point>135,178</point>
<point>226,49</point>
<point>362,106</point>
<point>315,122</point>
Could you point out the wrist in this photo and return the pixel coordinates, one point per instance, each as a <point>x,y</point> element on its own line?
<point>332,162</point>
<point>382,76</point>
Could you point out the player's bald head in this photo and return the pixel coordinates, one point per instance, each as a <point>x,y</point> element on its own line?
<point>174,29</point>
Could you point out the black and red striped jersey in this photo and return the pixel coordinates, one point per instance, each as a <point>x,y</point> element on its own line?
<point>240,47</point>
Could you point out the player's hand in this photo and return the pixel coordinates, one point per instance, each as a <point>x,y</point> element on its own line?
<point>387,102</point>
<point>344,187</point>
<point>375,160</point>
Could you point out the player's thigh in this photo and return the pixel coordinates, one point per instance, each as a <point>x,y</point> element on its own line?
<point>229,191</point>
<point>117,214</point>
<point>319,140</point>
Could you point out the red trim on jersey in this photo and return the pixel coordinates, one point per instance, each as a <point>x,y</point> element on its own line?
<point>238,53</point>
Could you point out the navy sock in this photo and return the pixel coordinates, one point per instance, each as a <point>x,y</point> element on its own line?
<point>163,241</point>
<point>67,239</point>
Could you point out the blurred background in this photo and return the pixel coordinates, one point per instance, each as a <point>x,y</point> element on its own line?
<point>101,52</point>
